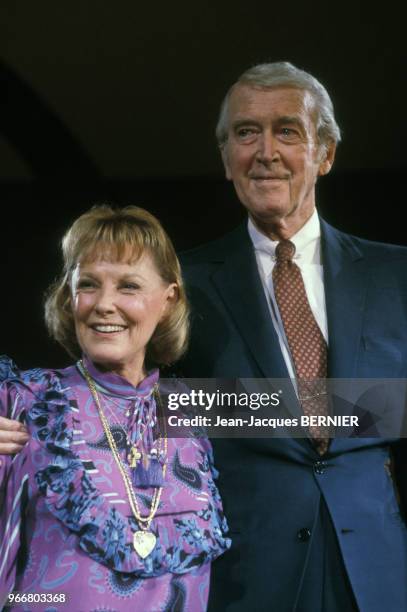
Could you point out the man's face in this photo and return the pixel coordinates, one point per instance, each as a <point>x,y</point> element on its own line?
<point>272,156</point>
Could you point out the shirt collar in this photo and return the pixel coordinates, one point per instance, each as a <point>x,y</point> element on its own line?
<point>114,384</point>
<point>307,241</point>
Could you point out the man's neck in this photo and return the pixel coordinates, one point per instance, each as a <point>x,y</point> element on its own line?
<point>281,229</point>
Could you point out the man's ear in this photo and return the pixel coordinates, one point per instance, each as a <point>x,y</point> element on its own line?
<point>224,153</point>
<point>328,157</point>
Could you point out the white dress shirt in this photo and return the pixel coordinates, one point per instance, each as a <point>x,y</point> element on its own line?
<point>308,258</point>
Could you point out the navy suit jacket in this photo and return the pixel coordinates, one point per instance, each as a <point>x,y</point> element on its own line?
<point>271,488</point>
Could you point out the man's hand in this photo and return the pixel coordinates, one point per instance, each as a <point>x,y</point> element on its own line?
<point>13,436</point>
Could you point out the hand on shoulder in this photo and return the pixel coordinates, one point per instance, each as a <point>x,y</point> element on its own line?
<point>13,436</point>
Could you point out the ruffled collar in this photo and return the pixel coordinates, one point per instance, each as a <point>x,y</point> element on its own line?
<point>103,532</point>
<point>114,384</point>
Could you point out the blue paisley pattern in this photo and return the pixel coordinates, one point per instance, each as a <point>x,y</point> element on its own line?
<point>176,602</point>
<point>186,474</point>
<point>102,443</point>
<point>78,497</point>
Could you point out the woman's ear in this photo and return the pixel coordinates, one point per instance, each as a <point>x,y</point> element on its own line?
<point>170,298</point>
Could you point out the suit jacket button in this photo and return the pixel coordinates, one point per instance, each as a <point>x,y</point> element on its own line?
<point>304,534</point>
<point>319,467</point>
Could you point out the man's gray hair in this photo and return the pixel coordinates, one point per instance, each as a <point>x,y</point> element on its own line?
<point>284,74</point>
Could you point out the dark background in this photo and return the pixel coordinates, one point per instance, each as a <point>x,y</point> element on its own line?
<point>103,101</point>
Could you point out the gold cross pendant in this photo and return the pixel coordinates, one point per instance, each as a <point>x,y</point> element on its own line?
<point>133,457</point>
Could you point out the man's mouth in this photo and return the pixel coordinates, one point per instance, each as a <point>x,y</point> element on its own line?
<point>261,178</point>
<point>108,328</point>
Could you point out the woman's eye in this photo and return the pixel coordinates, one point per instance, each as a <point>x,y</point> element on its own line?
<point>86,284</point>
<point>129,286</point>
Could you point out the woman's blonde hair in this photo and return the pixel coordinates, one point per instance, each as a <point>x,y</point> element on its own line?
<point>118,234</point>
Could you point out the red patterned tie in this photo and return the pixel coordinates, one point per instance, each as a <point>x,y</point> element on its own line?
<point>307,344</point>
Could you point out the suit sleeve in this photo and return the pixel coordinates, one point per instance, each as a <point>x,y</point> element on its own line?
<point>400,473</point>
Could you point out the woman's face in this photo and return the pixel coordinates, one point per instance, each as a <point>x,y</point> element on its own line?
<point>116,308</point>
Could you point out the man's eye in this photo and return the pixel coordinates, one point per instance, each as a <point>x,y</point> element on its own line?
<point>246,133</point>
<point>289,133</point>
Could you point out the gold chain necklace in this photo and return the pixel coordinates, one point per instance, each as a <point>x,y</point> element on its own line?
<point>144,540</point>
<point>135,454</point>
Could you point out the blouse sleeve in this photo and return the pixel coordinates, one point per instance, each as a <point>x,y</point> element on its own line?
<point>13,483</point>
<point>10,396</point>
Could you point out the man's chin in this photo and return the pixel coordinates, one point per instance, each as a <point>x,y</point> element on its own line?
<point>270,211</point>
<point>274,221</point>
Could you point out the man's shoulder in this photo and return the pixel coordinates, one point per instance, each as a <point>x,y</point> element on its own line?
<point>237,243</point>
<point>217,250</point>
<point>367,248</point>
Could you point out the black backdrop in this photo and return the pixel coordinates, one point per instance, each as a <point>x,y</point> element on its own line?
<point>117,102</point>
<point>193,211</point>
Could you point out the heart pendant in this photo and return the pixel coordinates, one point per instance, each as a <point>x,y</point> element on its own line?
<point>144,542</point>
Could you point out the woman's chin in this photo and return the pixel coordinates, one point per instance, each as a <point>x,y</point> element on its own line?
<point>106,360</point>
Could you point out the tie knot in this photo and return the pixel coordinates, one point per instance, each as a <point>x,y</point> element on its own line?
<point>285,251</point>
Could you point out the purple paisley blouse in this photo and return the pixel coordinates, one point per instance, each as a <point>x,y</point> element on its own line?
<point>66,527</point>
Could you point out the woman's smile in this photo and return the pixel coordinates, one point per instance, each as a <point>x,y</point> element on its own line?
<point>116,307</point>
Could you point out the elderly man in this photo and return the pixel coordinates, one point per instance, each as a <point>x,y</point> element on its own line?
<point>316,527</point>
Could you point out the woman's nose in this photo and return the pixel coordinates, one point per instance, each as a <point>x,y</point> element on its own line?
<point>105,303</point>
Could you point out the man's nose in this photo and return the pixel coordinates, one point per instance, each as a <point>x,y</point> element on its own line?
<point>268,150</point>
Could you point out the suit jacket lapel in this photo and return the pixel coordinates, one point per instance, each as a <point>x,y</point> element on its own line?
<point>345,278</point>
<point>345,281</point>
<point>238,283</point>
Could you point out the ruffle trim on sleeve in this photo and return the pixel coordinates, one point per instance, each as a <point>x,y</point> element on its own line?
<point>8,369</point>
<point>183,543</point>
